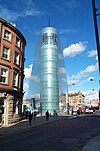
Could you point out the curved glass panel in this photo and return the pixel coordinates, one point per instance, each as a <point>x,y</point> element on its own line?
<point>48,77</point>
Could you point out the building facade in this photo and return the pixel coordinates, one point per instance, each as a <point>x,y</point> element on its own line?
<point>76,99</point>
<point>62,102</point>
<point>49,82</point>
<point>12,49</point>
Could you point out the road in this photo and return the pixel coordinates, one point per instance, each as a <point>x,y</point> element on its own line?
<point>69,134</point>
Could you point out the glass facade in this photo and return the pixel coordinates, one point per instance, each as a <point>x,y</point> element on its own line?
<point>49,81</point>
<point>48,76</point>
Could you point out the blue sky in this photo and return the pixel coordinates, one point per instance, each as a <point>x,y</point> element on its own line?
<point>74,21</point>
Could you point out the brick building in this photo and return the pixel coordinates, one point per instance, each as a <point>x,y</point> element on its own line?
<point>12,49</point>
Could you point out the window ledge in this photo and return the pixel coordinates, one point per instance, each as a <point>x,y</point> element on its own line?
<point>7,40</point>
<point>5,59</point>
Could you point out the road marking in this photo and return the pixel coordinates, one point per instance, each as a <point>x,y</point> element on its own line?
<point>72,117</point>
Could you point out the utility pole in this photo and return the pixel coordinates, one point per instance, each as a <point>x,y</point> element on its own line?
<point>97,37</point>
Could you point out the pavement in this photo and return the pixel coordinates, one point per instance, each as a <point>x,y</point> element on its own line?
<point>24,125</point>
<point>92,145</point>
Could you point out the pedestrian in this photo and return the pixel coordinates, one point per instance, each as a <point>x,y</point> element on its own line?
<point>47,115</point>
<point>30,118</point>
<point>26,114</point>
<point>56,114</point>
<point>34,115</point>
<point>50,114</point>
<point>78,112</point>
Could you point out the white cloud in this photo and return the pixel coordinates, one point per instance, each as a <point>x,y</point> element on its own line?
<point>69,5</point>
<point>8,14</point>
<point>88,70</point>
<point>27,71</point>
<point>62,70</point>
<point>84,73</point>
<point>26,86</point>
<point>22,9</point>
<point>80,78</point>
<point>32,9</point>
<point>35,78</point>
<point>66,31</point>
<point>64,80</point>
<point>92,53</point>
<point>60,56</point>
<point>90,95</point>
<point>74,49</point>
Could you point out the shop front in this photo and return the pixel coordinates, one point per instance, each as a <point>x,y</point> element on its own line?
<point>10,108</point>
<point>1,111</point>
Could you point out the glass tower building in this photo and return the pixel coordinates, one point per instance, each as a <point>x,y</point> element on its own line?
<point>49,80</point>
<point>48,77</point>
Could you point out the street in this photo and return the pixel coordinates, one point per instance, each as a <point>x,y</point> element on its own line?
<point>69,134</point>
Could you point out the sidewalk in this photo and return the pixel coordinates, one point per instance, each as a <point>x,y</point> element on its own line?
<point>24,125</point>
<point>93,145</point>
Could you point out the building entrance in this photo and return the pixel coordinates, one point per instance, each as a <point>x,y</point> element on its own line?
<point>1,110</point>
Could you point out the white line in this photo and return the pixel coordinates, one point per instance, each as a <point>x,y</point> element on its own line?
<point>72,117</point>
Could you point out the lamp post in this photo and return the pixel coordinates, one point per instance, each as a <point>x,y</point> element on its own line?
<point>97,36</point>
<point>68,97</point>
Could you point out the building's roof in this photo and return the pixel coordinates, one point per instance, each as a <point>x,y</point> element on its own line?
<point>75,94</point>
<point>12,27</point>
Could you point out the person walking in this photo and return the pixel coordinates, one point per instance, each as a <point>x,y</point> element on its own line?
<point>47,115</point>
<point>30,118</point>
<point>26,114</point>
<point>34,115</point>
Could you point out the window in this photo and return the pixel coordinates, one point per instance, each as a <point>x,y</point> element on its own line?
<point>17,42</point>
<point>6,53</point>
<point>7,35</point>
<point>15,79</point>
<point>49,39</point>
<point>16,58</point>
<point>4,76</point>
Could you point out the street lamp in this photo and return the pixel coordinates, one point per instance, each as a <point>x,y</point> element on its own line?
<point>97,36</point>
<point>68,97</point>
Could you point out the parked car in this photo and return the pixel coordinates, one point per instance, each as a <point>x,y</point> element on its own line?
<point>89,111</point>
<point>74,111</point>
<point>70,111</point>
<point>96,109</point>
